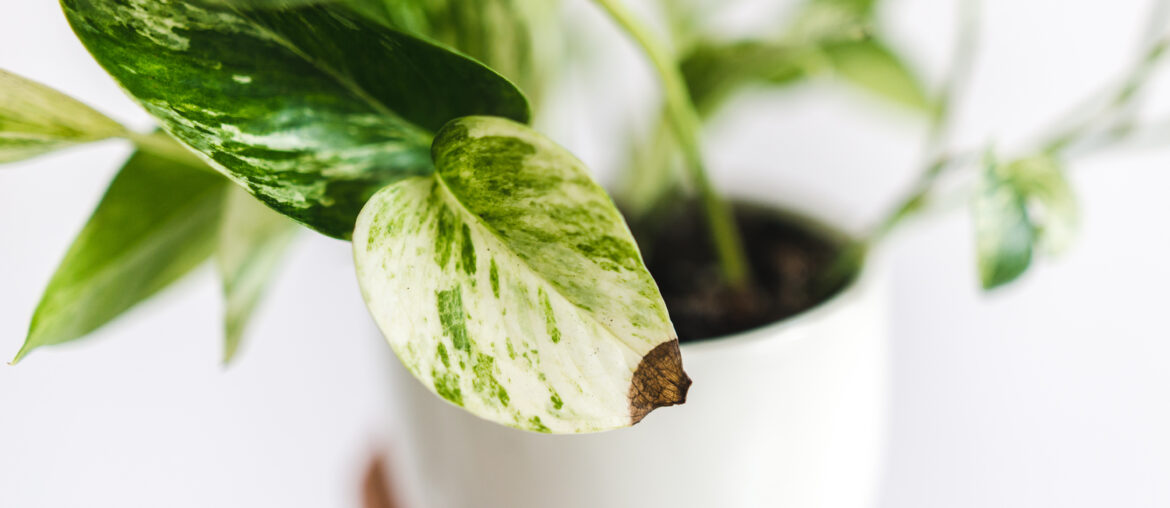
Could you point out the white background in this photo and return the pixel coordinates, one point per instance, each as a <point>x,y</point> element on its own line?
<point>1054,392</point>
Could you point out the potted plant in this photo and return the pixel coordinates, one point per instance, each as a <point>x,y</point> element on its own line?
<point>502,275</point>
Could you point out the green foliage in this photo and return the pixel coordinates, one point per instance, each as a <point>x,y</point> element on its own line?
<point>1019,207</point>
<point>826,36</point>
<point>517,38</point>
<point>35,119</point>
<point>311,108</point>
<point>713,72</point>
<point>871,66</point>
<point>1003,233</point>
<point>156,222</point>
<point>252,241</point>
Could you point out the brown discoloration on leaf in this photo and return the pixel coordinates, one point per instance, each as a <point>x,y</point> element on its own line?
<point>659,381</point>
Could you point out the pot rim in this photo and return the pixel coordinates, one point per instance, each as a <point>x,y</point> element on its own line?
<point>858,284</point>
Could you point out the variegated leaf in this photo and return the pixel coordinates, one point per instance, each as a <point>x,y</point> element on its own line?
<point>252,243</point>
<point>517,38</point>
<point>310,107</point>
<point>1003,232</point>
<point>1052,203</point>
<point>156,222</point>
<point>35,119</point>
<point>508,284</point>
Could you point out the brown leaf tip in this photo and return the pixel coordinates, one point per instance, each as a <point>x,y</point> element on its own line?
<point>659,381</point>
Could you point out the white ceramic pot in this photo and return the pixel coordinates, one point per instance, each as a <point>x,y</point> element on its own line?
<point>791,415</point>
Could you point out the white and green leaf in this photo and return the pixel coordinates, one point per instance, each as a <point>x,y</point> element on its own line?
<point>35,119</point>
<point>252,242</point>
<point>1021,208</point>
<point>1004,235</point>
<point>714,71</point>
<point>509,285</point>
<point>312,108</point>
<point>157,221</point>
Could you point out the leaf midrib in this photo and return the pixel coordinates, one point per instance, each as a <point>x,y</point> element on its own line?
<point>345,81</point>
<point>552,287</point>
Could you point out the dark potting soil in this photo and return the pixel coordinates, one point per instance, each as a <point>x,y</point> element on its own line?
<point>795,266</point>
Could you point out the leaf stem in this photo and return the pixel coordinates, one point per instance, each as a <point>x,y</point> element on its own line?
<point>161,144</point>
<point>685,123</point>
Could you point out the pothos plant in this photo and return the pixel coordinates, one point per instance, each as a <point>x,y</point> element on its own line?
<point>502,275</point>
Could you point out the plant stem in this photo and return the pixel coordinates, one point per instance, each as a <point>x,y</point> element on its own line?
<point>685,123</point>
<point>938,162</point>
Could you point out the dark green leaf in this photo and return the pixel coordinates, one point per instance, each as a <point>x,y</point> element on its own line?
<point>157,221</point>
<point>1003,231</point>
<point>714,71</point>
<point>311,108</point>
<point>35,119</point>
<point>517,38</point>
<point>252,242</point>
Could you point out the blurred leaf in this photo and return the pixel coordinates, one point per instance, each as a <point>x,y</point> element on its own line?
<point>653,173</point>
<point>508,283</point>
<point>518,38</point>
<point>714,71</point>
<point>156,222</point>
<point>860,8</point>
<point>35,119</point>
<point>311,108</point>
<point>871,65</point>
<point>1003,231</point>
<point>1052,205</point>
<point>252,243</point>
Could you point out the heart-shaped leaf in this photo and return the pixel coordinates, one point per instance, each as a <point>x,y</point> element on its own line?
<point>35,119</point>
<point>252,243</point>
<point>157,221</point>
<point>508,283</point>
<point>311,107</point>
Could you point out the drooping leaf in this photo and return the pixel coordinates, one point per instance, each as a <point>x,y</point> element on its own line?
<point>1022,207</point>
<point>311,108</point>
<point>252,242</point>
<point>871,65</point>
<point>714,71</point>
<point>35,119</point>
<point>508,284</point>
<point>156,222</point>
<point>1004,235</point>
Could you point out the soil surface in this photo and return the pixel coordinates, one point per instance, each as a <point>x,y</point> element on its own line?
<point>791,266</point>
